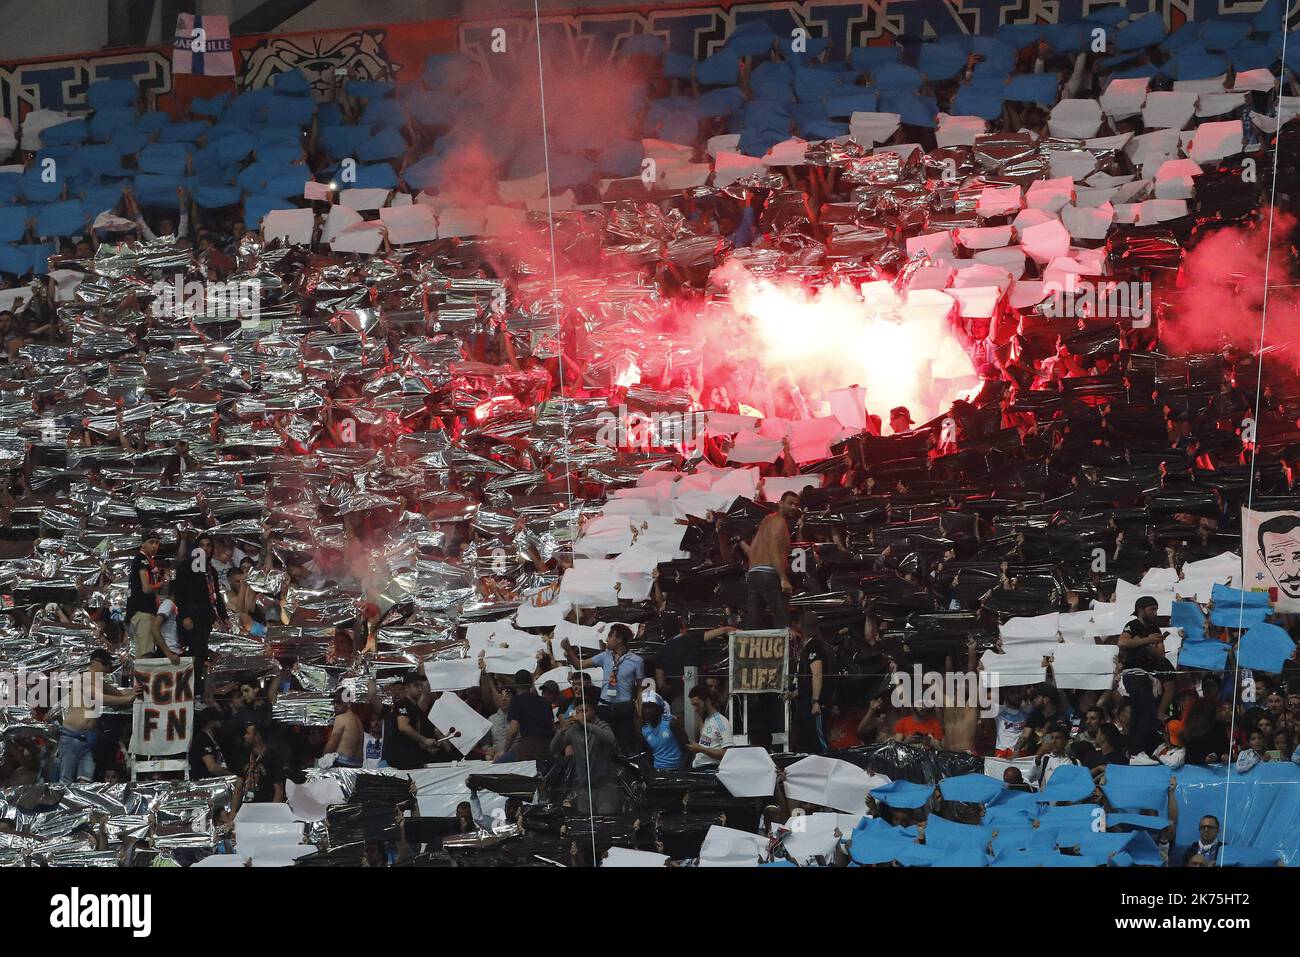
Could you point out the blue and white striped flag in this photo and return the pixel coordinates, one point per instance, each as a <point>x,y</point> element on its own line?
<point>202,46</point>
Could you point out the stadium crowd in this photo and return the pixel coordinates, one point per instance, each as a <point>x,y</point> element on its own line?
<point>387,481</point>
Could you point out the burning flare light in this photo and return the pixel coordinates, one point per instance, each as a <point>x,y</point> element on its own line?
<point>900,349</point>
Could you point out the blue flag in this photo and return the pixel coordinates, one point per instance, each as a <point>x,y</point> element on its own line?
<point>209,105</point>
<point>982,100</point>
<point>1265,648</point>
<point>1145,31</point>
<point>1069,782</point>
<point>754,38</point>
<point>38,254</point>
<point>1220,35</point>
<point>110,93</point>
<point>812,85</point>
<point>1040,88</point>
<point>64,218</point>
<point>867,59</point>
<point>970,788</point>
<point>14,260</point>
<point>852,100</point>
<point>722,101</point>
<point>183,132</point>
<point>342,141</point>
<point>1222,595</point>
<point>903,794</point>
<point>1188,616</point>
<point>390,144</point>
<point>912,109</point>
<point>13,223</point>
<point>1236,616</point>
<point>73,131</point>
<point>1210,655</point>
<point>721,69</point>
<point>896,78</point>
<point>946,834</point>
<point>214,197</point>
<point>942,59</point>
<point>167,159</point>
<point>99,199</point>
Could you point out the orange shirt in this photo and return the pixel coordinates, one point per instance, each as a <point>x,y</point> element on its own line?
<point>912,725</point>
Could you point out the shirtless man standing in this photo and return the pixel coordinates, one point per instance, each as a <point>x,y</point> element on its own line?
<point>240,597</point>
<point>346,739</point>
<point>768,580</point>
<point>77,734</point>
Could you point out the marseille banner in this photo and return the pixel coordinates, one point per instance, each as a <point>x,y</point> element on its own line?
<point>202,46</point>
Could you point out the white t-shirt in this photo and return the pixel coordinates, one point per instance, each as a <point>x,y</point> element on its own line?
<point>223,568</point>
<point>1009,723</point>
<point>167,611</point>
<point>373,751</point>
<point>715,732</point>
<point>1051,764</point>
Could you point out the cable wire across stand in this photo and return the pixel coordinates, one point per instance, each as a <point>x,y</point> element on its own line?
<point>1259,391</point>
<point>564,410</point>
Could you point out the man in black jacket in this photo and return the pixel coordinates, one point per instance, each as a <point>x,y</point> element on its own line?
<point>199,603</point>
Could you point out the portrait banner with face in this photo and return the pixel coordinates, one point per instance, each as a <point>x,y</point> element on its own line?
<point>1270,552</point>
<point>163,719</point>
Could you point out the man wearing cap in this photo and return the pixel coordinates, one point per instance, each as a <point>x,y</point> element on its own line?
<point>408,733</point>
<point>206,759</point>
<point>142,599</point>
<point>1171,753</point>
<point>77,733</point>
<point>661,733</point>
<point>1141,653</point>
<point>900,420</point>
<point>551,694</point>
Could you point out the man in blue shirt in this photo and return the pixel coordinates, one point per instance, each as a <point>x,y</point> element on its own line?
<point>623,671</point>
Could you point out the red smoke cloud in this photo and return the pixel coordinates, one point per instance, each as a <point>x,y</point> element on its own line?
<point>1223,284</point>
